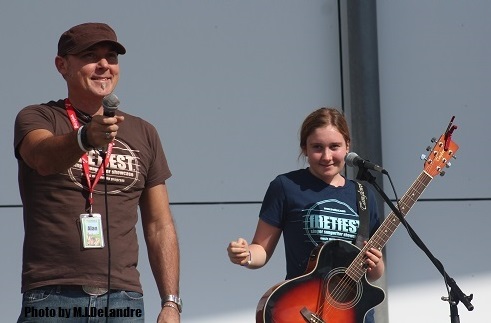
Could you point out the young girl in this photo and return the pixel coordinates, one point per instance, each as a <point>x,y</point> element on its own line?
<point>311,206</point>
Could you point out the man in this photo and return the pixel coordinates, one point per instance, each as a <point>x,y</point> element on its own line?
<point>82,176</point>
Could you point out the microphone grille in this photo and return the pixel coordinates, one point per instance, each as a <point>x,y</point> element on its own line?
<point>110,101</point>
<point>350,159</point>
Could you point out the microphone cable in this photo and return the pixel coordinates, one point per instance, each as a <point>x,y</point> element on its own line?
<point>107,235</point>
<point>110,104</point>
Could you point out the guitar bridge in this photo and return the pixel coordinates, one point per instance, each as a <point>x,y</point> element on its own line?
<point>310,317</point>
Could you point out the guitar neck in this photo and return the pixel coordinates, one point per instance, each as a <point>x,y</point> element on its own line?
<point>390,224</point>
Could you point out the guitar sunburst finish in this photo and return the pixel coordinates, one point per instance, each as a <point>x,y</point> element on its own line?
<point>334,288</point>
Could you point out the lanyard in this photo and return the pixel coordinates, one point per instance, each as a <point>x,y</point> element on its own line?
<point>85,161</point>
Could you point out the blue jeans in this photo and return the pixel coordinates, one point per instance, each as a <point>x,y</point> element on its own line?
<point>70,304</point>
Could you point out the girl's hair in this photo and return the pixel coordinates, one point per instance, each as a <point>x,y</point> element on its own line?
<point>323,117</point>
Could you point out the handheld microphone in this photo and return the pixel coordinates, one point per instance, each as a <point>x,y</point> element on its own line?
<point>110,104</point>
<point>352,159</point>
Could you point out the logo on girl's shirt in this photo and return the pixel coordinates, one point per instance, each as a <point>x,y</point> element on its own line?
<point>329,220</point>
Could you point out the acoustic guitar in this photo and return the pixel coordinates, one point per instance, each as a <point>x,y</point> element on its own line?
<point>334,288</point>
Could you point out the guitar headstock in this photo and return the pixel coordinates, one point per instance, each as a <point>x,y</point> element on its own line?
<point>444,149</point>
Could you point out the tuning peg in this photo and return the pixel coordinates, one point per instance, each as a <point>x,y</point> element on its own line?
<point>428,148</point>
<point>423,157</point>
<point>442,173</point>
<point>433,139</point>
<point>448,165</point>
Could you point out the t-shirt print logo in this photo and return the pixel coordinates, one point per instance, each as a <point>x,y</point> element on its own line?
<point>329,220</point>
<point>123,168</point>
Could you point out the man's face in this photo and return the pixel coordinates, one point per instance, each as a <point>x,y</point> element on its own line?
<point>94,71</point>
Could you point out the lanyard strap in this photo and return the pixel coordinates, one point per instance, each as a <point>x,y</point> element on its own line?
<point>85,161</point>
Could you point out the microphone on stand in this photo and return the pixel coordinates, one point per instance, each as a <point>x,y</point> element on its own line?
<point>352,159</point>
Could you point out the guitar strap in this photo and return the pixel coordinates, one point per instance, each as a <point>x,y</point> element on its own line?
<point>363,212</point>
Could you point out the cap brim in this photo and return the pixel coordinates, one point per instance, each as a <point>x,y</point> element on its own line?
<point>80,48</point>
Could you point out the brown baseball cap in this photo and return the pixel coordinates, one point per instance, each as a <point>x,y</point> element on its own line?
<point>81,37</point>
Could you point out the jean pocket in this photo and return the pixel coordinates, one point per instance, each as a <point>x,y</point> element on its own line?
<point>36,295</point>
<point>132,295</point>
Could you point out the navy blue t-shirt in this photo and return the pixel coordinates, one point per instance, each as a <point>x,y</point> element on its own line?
<point>311,212</point>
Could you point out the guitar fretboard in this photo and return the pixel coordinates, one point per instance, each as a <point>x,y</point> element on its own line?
<point>356,269</point>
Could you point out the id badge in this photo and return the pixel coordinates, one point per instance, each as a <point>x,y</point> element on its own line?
<point>92,235</point>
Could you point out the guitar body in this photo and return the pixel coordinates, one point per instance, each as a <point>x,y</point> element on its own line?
<point>325,294</point>
<point>334,288</point>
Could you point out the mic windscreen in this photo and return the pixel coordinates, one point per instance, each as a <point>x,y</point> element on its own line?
<point>350,159</point>
<point>110,104</point>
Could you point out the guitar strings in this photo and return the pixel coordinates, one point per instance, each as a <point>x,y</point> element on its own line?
<point>356,269</point>
<point>342,288</point>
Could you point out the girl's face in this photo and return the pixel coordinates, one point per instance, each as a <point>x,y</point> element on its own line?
<point>325,151</point>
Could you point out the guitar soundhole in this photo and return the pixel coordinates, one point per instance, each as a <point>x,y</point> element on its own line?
<point>342,291</point>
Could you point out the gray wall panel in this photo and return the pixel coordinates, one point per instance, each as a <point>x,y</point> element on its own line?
<point>11,233</point>
<point>213,287</point>
<point>455,233</point>
<point>226,83</point>
<point>434,64</point>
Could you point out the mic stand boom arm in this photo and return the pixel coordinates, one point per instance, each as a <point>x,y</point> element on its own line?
<point>455,294</point>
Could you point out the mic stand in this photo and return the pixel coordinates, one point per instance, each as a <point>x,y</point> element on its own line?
<point>455,295</point>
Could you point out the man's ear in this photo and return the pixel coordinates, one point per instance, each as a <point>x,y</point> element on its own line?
<point>61,64</point>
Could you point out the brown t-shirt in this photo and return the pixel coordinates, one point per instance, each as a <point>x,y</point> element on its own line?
<point>53,252</point>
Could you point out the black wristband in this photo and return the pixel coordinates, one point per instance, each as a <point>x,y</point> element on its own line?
<point>83,138</point>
